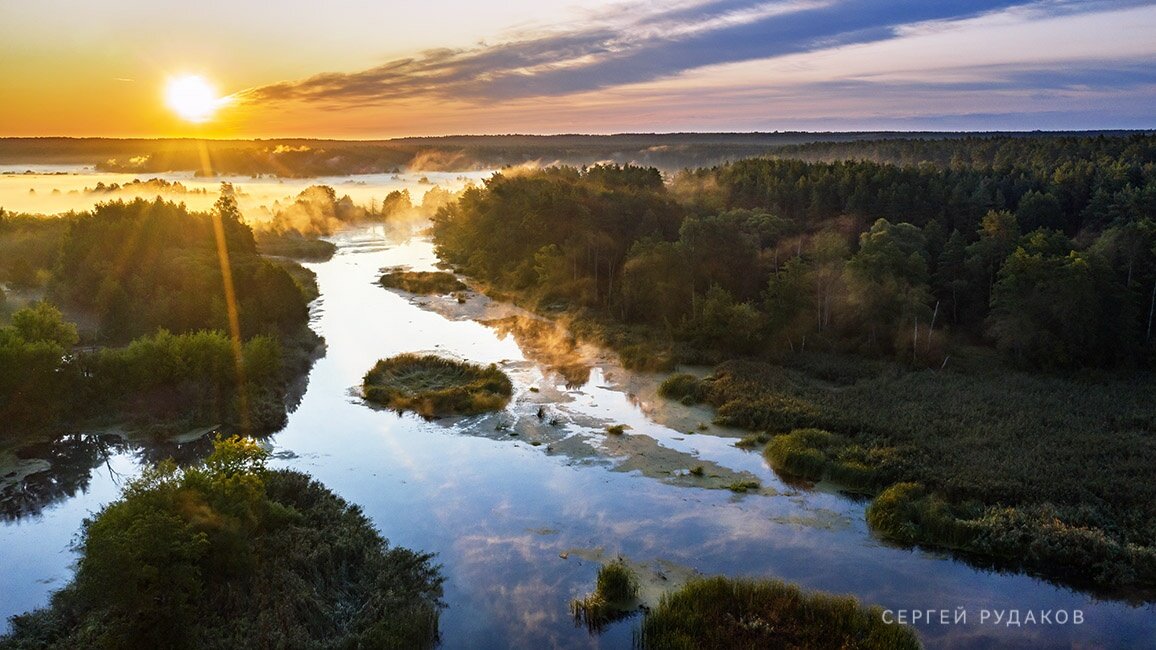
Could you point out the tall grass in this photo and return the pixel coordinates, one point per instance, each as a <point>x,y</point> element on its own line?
<point>423,282</point>
<point>615,597</point>
<point>720,613</point>
<point>1045,473</point>
<point>435,386</point>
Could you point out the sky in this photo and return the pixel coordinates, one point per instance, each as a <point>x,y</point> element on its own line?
<point>373,69</point>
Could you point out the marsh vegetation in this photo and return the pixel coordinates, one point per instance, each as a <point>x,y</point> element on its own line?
<point>422,282</point>
<point>434,386</point>
<point>720,613</point>
<point>615,597</point>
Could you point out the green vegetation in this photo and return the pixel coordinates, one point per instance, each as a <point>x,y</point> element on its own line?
<point>744,486</point>
<point>159,288</point>
<point>190,379</point>
<point>33,366</point>
<point>423,282</point>
<point>1040,473</point>
<point>615,597</point>
<point>817,455</point>
<point>230,554</point>
<point>1051,259</point>
<point>29,245</point>
<point>141,266</point>
<point>995,257</point>
<point>683,388</point>
<point>616,429</point>
<point>434,386</point>
<point>744,614</point>
<point>293,245</point>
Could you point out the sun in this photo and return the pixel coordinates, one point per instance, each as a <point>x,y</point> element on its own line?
<point>192,97</point>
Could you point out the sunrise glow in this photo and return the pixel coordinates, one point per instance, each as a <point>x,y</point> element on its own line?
<point>192,97</point>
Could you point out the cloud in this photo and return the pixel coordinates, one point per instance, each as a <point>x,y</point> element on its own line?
<point>654,46</point>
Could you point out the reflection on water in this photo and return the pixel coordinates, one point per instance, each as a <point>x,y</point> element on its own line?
<point>521,527</point>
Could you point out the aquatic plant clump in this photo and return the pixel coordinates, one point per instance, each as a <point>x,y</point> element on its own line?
<point>423,282</point>
<point>722,613</point>
<point>615,597</point>
<point>434,386</point>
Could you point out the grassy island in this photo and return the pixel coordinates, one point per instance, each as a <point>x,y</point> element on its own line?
<point>722,613</point>
<point>230,554</point>
<point>423,282</point>
<point>434,386</point>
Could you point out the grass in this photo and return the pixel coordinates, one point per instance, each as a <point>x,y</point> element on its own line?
<point>742,487</point>
<point>434,386</point>
<point>753,441</point>
<point>615,597</point>
<point>423,282</point>
<point>684,388</point>
<point>720,613</point>
<point>1044,473</point>
<point>616,430</point>
<point>816,455</point>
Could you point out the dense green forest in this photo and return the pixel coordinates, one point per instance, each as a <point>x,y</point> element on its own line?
<point>184,323</point>
<point>972,339</point>
<point>230,554</point>
<point>1051,260</point>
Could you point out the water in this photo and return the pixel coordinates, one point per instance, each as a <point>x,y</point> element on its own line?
<point>520,528</point>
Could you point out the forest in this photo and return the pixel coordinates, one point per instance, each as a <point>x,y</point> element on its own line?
<point>183,322</point>
<point>972,337</point>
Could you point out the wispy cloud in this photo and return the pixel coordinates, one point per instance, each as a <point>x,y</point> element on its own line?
<point>744,64</point>
<point>653,46</point>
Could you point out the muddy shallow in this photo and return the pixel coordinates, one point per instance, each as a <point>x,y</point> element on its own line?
<point>521,509</point>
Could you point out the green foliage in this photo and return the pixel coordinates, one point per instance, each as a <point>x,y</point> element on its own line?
<point>684,388</point>
<point>1036,460</point>
<point>36,376</point>
<point>43,323</point>
<point>230,554</point>
<point>293,245</point>
<point>141,266</point>
<point>435,386</point>
<point>422,282</point>
<point>615,596</point>
<point>711,613</point>
<point>815,455</point>
<point>29,247</point>
<point>617,582</point>
<point>1036,537</point>
<point>192,377</point>
<point>744,486</point>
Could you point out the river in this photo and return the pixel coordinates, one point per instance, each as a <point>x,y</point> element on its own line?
<point>520,509</point>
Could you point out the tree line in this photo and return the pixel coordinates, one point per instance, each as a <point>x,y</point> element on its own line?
<point>1050,257</point>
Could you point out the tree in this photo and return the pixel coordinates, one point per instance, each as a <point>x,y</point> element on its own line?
<point>43,323</point>
<point>888,281</point>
